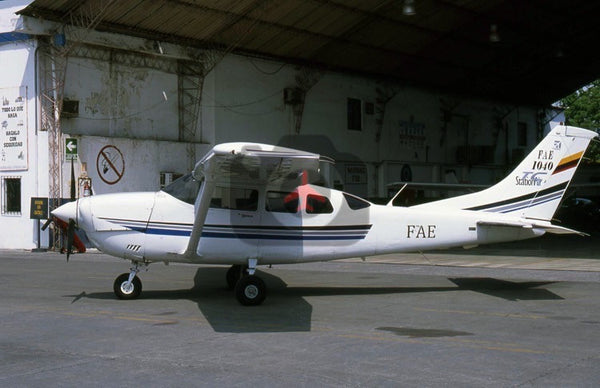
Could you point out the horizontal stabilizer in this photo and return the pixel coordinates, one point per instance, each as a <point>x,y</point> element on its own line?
<point>530,224</point>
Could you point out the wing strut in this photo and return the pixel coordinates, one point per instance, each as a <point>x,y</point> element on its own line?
<point>202,204</point>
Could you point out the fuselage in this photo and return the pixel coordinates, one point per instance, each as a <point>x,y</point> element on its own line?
<point>275,226</point>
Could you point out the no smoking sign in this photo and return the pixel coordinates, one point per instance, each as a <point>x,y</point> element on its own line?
<point>110,164</point>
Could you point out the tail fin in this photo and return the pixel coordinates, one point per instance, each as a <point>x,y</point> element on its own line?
<point>535,188</point>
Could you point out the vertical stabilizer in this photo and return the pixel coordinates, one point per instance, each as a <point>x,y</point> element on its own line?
<point>535,188</point>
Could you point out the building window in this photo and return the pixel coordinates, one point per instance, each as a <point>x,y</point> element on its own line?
<point>354,114</point>
<point>11,195</point>
<point>522,134</point>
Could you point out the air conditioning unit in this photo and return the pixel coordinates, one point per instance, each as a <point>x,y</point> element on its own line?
<point>70,109</point>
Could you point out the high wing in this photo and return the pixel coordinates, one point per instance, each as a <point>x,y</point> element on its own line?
<point>244,163</point>
<point>254,162</point>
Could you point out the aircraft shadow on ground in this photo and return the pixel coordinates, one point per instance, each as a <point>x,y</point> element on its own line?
<point>547,246</point>
<point>286,309</point>
<point>512,291</point>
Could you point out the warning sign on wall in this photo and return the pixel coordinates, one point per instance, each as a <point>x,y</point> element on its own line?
<point>13,121</point>
<point>110,164</point>
<point>39,208</point>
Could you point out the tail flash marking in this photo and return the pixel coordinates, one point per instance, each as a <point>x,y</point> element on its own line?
<point>568,162</point>
<point>524,201</point>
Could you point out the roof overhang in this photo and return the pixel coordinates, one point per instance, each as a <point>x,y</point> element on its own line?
<point>544,50</point>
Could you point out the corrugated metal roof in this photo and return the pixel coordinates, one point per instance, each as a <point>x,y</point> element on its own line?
<point>546,48</point>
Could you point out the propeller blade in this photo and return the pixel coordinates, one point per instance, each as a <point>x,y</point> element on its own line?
<point>47,223</point>
<point>70,236</point>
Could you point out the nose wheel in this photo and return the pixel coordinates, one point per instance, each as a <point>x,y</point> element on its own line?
<point>128,285</point>
<point>126,289</point>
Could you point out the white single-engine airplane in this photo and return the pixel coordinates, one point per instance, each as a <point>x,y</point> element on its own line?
<point>248,204</point>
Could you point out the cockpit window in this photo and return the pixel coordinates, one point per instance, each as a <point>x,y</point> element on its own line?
<point>356,203</point>
<point>185,189</point>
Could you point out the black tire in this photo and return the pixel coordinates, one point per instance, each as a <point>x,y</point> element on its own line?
<point>234,273</point>
<point>121,292</point>
<point>250,290</point>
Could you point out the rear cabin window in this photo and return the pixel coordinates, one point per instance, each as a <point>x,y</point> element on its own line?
<point>282,201</point>
<point>318,204</point>
<point>234,199</point>
<point>355,203</point>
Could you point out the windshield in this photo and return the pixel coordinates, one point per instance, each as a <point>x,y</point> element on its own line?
<point>185,189</point>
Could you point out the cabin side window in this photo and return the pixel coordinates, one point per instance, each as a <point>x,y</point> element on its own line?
<point>290,202</point>
<point>234,199</point>
<point>282,201</point>
<point>318,204</point>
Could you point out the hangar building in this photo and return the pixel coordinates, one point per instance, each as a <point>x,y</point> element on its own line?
<point>127,95</point>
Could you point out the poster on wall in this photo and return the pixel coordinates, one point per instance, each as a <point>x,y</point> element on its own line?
<point>13,136</point>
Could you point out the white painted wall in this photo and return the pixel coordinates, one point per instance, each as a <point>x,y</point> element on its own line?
<point>8,19</point>
<point>18,69</point>
<point>121,101</point>
<point>133,109</point>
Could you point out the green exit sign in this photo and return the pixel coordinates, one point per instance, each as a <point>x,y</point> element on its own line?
<point>70,149</point>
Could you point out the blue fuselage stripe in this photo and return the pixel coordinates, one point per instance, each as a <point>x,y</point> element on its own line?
<point>280,237</point>
<point>352,232</point>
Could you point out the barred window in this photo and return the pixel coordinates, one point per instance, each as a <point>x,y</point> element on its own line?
<point>354,114</point>
<point>11,195</point>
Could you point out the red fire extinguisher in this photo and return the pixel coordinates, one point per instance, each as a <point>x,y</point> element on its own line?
<point>86,189</point>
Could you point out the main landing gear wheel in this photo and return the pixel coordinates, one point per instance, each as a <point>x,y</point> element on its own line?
<point>250,290</point>
<point>125,290</point>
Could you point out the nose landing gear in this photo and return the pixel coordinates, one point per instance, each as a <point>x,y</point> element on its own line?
<point>128,285</point>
